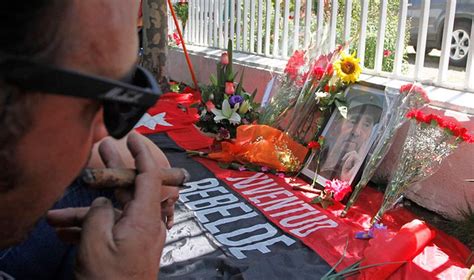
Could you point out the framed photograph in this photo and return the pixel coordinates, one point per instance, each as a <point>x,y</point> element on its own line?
<point>348,141</point>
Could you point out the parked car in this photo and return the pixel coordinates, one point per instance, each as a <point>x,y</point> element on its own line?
<point>461,33</point>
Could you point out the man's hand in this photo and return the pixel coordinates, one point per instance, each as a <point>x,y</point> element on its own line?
<point>349,168</point>
<point>169,197</point>
<point>114,244</point>
<point>114,154</point>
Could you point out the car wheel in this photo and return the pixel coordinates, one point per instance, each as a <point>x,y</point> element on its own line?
<point>460,44</point>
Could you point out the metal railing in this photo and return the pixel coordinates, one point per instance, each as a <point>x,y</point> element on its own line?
<point>276,28</point>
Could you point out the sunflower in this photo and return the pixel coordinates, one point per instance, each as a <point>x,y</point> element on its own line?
<point>348,68</point>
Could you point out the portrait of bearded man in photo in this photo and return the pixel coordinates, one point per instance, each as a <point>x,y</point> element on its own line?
<point>347,141</point>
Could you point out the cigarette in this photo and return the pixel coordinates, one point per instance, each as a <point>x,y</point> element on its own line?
<point>125,177</point>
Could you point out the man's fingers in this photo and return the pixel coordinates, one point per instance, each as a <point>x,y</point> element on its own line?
<point>140,151</point>
<point>167,211</point>
<point>98,223</point>
<point>71,217</point>
<point>109,154</point>
<point>346,156</point>
<point>147,198</point>
<point>125,177</point>
<point>123,196</point>
<point>169,221</point>
<point>67,217</point>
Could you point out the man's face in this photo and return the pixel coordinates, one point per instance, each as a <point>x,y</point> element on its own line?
<point>99,38</point>
<point>355,131</point>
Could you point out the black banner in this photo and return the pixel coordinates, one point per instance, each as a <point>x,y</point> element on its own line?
<point>218,235</point>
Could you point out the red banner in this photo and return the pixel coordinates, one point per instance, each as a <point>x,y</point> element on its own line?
<point>171,112</point>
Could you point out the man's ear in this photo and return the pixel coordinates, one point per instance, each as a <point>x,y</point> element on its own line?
<point>99,131</point>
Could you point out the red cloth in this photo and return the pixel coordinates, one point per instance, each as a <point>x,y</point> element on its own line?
<point>404,246</point>
<point>442,258</point>
<point>171,112</point>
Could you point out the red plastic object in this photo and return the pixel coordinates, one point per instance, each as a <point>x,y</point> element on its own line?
<point>404,246</point>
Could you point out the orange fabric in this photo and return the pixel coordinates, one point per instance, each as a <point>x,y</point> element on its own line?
<point>262,145</point>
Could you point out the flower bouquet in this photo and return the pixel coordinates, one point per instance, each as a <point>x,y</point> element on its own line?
<point>410,96</point>
<point>323,91</point>
<point>308,91</point>
<point>287,88</point>
<point>430,139</point>
<point>225,105</point>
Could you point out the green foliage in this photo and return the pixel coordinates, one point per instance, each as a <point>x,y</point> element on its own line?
<point>181,10</point>
<point>391,31</point>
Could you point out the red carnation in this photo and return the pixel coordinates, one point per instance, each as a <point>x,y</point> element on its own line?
<point>338,188</point>
<point>326,88</point>
<point>459,131</point>
<point>318,72</point>
<point>449,125</point>
<point>420,116</point>
<point>412,113</point>
<point>294,64</point>
<point>314,145</point>
<point>436,118</point>
<point>420,91</point>
<point>330,69</point>
<point>405,89</point>
<point>468,138</point>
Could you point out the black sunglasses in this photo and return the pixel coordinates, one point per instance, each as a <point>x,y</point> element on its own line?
<point>124,101</point>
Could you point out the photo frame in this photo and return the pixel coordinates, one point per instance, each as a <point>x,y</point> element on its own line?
<point>349,141</point>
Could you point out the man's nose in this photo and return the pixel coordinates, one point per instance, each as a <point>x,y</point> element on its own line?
<point>356,130</point>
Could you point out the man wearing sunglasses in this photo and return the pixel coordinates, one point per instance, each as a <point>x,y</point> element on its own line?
<point>67,79</point>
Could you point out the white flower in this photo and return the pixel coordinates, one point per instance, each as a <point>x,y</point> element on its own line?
<point>227,113</point>
<point>321,94</point>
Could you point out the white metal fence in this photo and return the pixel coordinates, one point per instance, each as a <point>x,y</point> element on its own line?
<point>276,28</point>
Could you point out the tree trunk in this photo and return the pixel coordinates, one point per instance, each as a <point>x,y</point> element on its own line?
<point>155,39</point>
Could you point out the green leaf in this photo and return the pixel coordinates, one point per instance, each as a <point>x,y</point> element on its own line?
<point>238,90</point>
<point>174,88</point>
<point>230,53</point>
<point>220,78</point>
<point>233,75</point>
<point>254,93</point>
<point>223,165</point>
<point>355,269</point>
<point>325,276</point>
<point>213,80</point>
